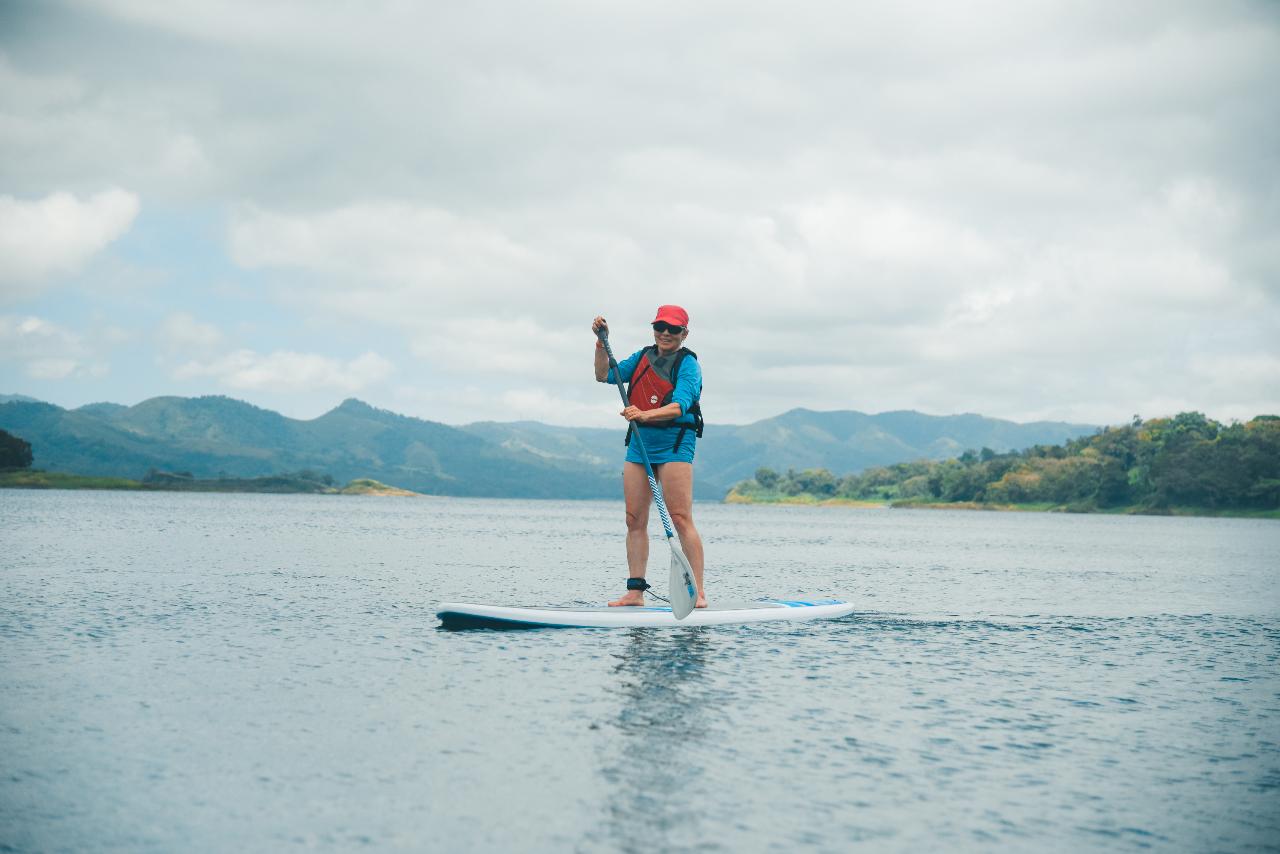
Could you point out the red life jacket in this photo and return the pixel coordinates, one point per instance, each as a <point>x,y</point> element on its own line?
<point>652,385</point>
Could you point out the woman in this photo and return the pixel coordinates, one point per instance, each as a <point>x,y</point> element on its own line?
<point>664,384</point>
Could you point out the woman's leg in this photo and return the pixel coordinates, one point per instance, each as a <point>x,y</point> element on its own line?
<point>636,494</point>
<point>677,489</point>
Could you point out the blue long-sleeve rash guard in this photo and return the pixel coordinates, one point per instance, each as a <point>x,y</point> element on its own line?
<point>658,441</point>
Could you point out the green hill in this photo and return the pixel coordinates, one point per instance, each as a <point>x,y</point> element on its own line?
<point>852,441</point>
<point>801,438</point>
<point>214,437</point>
<point>1188,463</point>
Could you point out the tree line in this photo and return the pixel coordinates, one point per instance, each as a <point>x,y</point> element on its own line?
<point>1187,461</point>
<point>15,452</point>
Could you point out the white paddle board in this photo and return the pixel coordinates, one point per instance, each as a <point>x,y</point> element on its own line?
<point>461,615</point>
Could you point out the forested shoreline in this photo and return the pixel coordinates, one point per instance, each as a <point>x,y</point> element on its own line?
<point>1187,463</point>
<point>15,457</point>
<point>1184,464</point>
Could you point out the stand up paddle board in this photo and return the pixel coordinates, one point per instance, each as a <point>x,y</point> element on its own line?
<point>455,615</point>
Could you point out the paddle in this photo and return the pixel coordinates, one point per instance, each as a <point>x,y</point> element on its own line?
<point>684,593</point>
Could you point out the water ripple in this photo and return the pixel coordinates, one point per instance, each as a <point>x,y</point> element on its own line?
<point>261,672</point>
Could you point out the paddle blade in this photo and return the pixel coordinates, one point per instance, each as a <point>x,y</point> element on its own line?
<point>681,587</point>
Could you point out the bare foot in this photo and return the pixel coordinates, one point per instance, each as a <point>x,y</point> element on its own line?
<point>631,597</point>
<point>701,603</point>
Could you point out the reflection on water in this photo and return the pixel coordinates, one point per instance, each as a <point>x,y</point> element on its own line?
<point>665,715</point>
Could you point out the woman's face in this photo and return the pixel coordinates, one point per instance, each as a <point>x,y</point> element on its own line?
<point>667,338</point>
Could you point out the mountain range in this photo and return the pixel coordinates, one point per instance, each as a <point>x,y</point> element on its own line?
<point>219,436</point>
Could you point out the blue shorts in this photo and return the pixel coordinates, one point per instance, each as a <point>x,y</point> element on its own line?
<point>658,442</point>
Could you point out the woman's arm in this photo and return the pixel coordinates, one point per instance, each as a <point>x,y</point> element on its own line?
<point>602,362</point>
<point>670,412</point>
<point>602,358</point>
<point>625,368</point>
<point>688,385</point>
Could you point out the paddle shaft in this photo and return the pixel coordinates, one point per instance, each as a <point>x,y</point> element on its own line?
<point>603,334</point>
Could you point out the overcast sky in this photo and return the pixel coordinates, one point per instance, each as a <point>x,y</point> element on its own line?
<point>1024,209</point>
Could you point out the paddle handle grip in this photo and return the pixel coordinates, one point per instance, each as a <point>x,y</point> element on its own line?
<point>603,334</point>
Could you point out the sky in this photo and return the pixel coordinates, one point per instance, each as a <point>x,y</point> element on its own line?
<point>1027,209</point>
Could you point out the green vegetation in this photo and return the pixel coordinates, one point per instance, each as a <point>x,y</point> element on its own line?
<point>15,453</point>
<point>286,483</point>
<point>368,486</point>
<point>217,437</point>
<point>220,438</point>
<point>36,479</point>
<point>1185,464</point>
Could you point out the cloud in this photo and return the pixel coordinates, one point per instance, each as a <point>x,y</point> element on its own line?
<point>290,372</point>
<point>469,296</point>
<point>392,242</point>
<point>57,235</point>
<point>46,351</point>
<point>546,403</point>
<point>841,301</point>
<point>72,129</point>
<point>1045,209</point>
<point>180,332</point>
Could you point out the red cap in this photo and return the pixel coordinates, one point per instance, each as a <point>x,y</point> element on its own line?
<point>673,314</point>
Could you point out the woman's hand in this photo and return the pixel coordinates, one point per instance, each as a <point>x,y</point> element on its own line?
<point>652,416</point>
<point>598,324</point>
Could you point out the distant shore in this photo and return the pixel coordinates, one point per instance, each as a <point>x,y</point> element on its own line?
<point>275,484</point>
<point>804,500</point>
<point>1187,465</point>
<point>807,500</point>
<point>291,485</point>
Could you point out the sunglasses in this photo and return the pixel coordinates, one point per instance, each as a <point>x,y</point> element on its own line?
<point>663,326</point>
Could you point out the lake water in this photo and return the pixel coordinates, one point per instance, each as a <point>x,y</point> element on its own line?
<point>263,673</point>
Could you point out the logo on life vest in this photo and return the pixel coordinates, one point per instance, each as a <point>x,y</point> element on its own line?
<point>653,398</point>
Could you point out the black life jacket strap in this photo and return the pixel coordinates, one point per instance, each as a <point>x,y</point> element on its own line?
<point>695,409</point>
